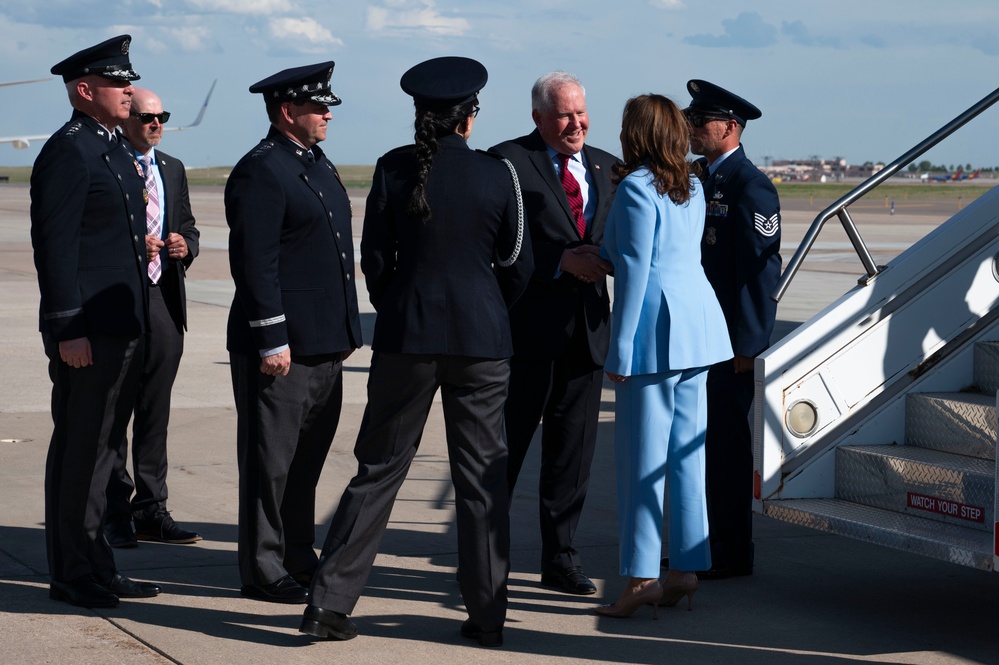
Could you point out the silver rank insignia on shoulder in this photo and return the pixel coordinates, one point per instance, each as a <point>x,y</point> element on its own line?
<point>710,235</point>
<point>764,226</point>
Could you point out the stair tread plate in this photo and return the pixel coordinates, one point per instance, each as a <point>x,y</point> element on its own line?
<point>974,398</point>
<point>949,542</point>
<point>918,454</point>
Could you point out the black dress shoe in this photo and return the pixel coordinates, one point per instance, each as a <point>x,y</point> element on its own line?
<point>304,577</point>
<point>285,590</point>
<point>82,592</point>
<point>162,528</point>
<point>570,580</point>
<point>725,571</point>
<point>118,531</point>
<point>125,587</point>
<point>487,637</point>
<point>327,624</point>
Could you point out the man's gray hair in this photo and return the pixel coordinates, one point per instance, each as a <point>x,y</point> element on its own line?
<point>543,92</point>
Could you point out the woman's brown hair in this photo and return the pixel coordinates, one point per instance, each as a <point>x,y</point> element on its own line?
<point>655,135</point>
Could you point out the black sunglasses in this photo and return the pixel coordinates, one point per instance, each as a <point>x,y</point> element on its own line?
<point>475,111</point>
<point>146,118</point>
<point>700,119</point>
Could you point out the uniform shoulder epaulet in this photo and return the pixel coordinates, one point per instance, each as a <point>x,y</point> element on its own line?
<point>263,148</point>
<point>71,129</point>
<point>487,153</point>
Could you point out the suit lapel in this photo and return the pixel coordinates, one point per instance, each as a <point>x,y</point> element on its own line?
<point>166,174</point>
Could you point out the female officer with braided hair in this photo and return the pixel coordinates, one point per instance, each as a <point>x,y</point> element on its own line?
<point>444,253</point>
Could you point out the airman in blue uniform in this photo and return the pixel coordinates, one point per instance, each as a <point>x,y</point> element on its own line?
<point>740,255</point>
<point>293,320</point>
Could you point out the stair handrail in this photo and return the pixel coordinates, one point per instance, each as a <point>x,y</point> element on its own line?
<point>839,208</point>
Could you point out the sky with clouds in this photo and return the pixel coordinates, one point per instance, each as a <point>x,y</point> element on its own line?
<point>861,80</point>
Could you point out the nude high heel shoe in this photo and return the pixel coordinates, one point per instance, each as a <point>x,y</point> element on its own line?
<point>626,605</point>
<point>684,584</point>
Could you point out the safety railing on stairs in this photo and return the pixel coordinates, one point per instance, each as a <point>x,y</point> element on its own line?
<point>839,208</point>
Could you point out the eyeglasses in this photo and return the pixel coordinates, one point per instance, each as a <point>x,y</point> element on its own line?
<point>475,111</point>
<point>146,118</point>
<point>700,119</point>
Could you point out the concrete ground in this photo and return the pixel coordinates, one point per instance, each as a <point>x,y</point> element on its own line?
<point>815,597</point>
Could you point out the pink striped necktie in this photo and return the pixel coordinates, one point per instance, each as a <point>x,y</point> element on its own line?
<point>153,226</point>
<point>573,193</point>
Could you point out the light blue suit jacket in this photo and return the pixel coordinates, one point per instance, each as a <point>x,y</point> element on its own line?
<point>665,313</point>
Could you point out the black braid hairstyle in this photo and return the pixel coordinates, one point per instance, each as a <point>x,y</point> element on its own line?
<point>430,125</point>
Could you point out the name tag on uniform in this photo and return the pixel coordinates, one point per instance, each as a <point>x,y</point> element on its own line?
<point>716,209</point>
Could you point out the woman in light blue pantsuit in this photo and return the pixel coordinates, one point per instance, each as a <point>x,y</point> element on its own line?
<point>667,329</point>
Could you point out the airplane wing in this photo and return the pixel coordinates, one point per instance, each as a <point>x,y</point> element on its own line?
<point>21,142</point>
<point>23,82</point>
<point>201,113</point>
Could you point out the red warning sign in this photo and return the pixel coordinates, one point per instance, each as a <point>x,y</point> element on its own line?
<point>932,504</point>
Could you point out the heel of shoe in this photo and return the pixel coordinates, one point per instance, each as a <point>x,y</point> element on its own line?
<point>314,628</point>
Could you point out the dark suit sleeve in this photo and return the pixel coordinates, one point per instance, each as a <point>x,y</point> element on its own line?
<point>378,241</point>
<point>185,217</point>
<point>254,210</point>
<point>59,188</point>
<point>758,264</point>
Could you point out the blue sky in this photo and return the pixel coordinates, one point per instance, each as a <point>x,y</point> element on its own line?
<point>859,79</point>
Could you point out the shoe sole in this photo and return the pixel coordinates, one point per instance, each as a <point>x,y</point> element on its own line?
<point>558,587</point>
<point>319,629</point>
<point>155,539</point>
<point>246,593</point>
<point>58,595</point>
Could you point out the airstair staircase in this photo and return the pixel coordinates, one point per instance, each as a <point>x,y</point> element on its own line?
<point>876,419</point>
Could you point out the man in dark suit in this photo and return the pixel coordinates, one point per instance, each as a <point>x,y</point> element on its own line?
<point>293,321</point>
<point>171,245</point>
<point>740,255</point>
<point>88,236</point>
<point>560,324</point>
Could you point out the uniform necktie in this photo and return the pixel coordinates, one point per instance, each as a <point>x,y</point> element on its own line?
<point>572,192</point>
<point>153,226</point>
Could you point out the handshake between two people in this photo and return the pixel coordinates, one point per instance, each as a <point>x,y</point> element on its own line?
<point>585,263</point>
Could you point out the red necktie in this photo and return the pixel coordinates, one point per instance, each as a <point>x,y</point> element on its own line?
<point>571,187</point>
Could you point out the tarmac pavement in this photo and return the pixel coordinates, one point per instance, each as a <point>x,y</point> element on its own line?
<point>814,598</point>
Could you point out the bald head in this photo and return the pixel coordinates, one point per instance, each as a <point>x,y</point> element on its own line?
<point>144,135</point>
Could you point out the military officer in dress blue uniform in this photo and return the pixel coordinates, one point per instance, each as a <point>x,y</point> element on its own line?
<point>740,255</point>
<point>88,234</point>
<point>293,321</point>
<point>444,253</point>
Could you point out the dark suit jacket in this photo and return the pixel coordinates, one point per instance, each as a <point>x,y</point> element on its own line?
<point>740,251</point>
<point>545,317</point>
<point>435,285</point>
<point>180,220</point>
<point>290,252</point>
<point>88,231</point>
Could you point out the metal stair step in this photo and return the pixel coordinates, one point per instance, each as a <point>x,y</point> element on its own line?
<point>948,542</point>
<point>918,481</point>
<point>987,367</point>
<point>962,423</point>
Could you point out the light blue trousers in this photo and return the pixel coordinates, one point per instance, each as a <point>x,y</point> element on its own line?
<point>659,432</point>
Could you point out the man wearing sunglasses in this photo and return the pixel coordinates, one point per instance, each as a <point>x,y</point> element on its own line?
<point>87,235</point>
<point>293,321</point>
<point>740,254</point>
<point>171,245</point>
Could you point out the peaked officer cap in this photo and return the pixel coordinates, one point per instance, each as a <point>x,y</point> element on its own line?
<point>710,98</point>
<point>307,83</point>
<point>108,59</point>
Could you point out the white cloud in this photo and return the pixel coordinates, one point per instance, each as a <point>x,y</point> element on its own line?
<point>192,39</point>
<point>668,4</point>
<point>304,29</point>
<point>257,7</point>
<point>408,16</point>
